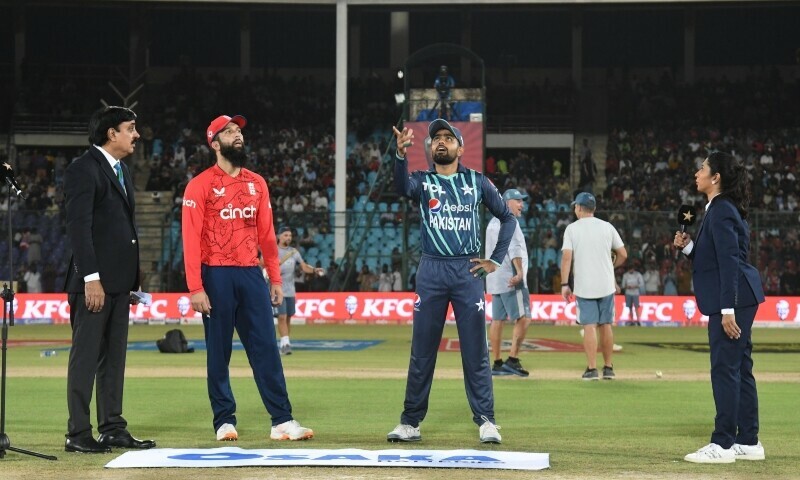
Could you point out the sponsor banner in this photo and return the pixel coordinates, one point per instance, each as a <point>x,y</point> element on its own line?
<point>349,457</point>
<point>398,308</point>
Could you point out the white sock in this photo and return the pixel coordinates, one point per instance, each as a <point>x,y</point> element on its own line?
<point>285,341</point>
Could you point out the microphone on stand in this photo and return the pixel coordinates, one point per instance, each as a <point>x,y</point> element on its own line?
<point>8,175</point>
<point>686,217</point>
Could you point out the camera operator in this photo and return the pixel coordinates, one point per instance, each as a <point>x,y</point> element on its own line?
<point>443,84</point>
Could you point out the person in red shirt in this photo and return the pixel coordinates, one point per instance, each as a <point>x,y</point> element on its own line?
<point>227,217</point>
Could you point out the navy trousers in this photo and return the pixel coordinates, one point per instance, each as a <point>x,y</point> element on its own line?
<point>441,281</point>
<point>240,299</point>
<point>732,381</point>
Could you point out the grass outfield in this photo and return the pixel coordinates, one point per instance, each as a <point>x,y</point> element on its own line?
<point>635,427</point>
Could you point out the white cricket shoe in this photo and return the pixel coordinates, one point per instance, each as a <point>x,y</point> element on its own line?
<point>404,433</point>
<point>290,430</point>
<point>489,432</point>
<point>227,433</point>
<point>749,452</point>
<point>712,453</point>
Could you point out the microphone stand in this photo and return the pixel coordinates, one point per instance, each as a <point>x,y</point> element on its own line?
<point>8,320</point>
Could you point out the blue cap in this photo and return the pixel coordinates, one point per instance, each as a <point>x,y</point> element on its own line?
<point>585,199</point>
<point>440,124</point>
<point>284,228</point>
<point>514,194</point>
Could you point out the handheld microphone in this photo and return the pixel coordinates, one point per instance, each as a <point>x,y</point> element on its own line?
<point>8,175</point>
<point>686,217</point>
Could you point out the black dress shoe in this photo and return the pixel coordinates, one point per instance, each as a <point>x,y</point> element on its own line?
<point>124,439</point>
<point>85,444</point>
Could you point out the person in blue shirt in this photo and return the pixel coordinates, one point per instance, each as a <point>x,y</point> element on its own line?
<point>450,272</point>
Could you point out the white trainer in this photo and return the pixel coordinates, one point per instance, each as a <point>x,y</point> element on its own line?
<point>227,433</point>
<point>489,432</point>
<point>749,452</point>
<point>712,453</point>
<point>404,433</point>
<point>290,430</point>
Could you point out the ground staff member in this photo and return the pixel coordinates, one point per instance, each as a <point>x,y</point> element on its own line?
<point>289,258</point>
<point>510,297</point>
<point>728,290</point>
<point>103,270</point>
<point>588,243</point>
<point>226,217</point>
<point>450,271</point>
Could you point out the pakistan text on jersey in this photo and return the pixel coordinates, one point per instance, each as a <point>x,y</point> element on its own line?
<point>450,223</point>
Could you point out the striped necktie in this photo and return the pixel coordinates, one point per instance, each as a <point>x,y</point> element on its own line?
<point>118,169</point>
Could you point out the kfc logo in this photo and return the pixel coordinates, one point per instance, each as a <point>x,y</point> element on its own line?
<point>782,308</point>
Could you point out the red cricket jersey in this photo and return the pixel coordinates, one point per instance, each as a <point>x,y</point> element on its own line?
<point>224,220</point>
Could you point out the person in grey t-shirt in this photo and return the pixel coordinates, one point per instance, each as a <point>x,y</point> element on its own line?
<point>289,258</point>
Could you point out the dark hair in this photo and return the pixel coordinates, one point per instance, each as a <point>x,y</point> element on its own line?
<point>105,118</point>
<point>734,183</point>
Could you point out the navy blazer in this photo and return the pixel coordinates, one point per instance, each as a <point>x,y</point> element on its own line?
<point>100,225</point>
<point>722,276</point>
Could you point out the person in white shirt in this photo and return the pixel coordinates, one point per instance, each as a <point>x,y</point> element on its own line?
<point>507,285</point>
<point>589,241</point>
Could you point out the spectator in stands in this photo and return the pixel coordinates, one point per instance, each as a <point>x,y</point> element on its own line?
<point>652,279</point>
<point>588,168</point>
<point>366,279</point>
<point>385,279</point>
<point>34,247</point>
<point>790,280</point>
<point>33,278</point>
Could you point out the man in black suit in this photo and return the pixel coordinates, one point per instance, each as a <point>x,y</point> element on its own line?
<point>103,270</point>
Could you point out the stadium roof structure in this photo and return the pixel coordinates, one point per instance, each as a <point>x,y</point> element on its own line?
<point>426,3</point>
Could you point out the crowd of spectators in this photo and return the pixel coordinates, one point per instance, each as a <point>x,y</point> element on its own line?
<point>662,131</point>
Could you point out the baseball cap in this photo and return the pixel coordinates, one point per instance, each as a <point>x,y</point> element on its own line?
<point>284,228</point>
<point>440,124</point>
<point>514,194</point>
<point>585,199</point>
<point>221,122</point>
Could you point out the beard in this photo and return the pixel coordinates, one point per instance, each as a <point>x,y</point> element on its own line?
<point>236,155</point>
<point>442,158</point>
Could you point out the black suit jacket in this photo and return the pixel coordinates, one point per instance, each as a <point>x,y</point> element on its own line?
<point>100,225</point>
<point>722,276</point>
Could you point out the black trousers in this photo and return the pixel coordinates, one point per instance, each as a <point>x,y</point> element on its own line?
<point>99,344</point>
<point>732,381</point>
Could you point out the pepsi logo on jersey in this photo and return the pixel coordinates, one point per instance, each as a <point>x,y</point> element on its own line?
<point>435,206</point>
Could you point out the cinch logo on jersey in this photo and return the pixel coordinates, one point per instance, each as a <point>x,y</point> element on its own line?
<point>231,213</point>
<point>189,203</point>
<point>417,302</point>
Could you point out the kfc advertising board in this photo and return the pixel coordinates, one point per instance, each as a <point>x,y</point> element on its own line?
<point>398,308</point>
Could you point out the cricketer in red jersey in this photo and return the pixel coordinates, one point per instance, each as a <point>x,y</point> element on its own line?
<point>226,217</point>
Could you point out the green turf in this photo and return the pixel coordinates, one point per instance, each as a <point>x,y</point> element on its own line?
<point>620,429</point>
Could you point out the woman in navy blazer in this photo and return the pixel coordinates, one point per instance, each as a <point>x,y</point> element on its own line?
<point>728,291</point>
